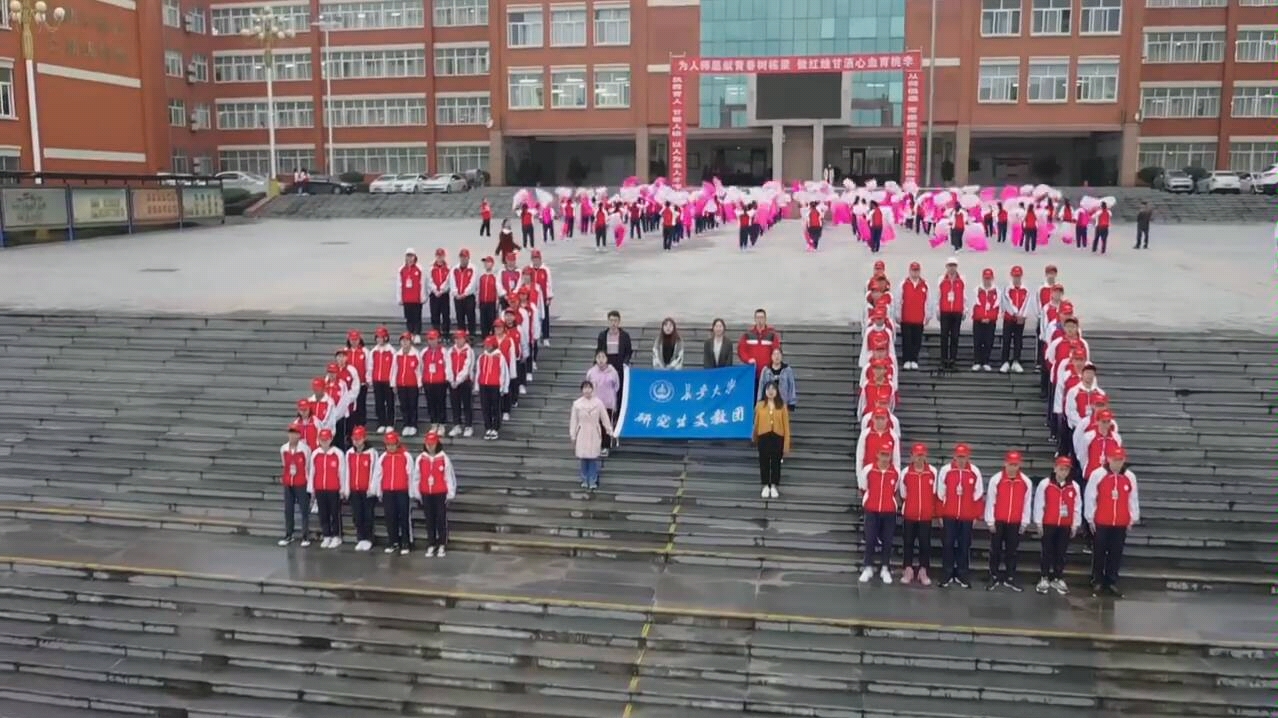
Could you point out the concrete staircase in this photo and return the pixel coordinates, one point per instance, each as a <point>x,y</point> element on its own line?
<point>462,205</point>
<point>1184,208</point>
<point>131,424</point>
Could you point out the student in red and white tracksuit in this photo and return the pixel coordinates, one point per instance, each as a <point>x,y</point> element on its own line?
<point>395,476</point>
<point>1111,504</point>
<point>1058,512</point>
<point>1077,405</point>
<point>1100,405</point>
<point>357,359</point>
<point>328,486</point>
<point>434,484</point>
<point>322,407</point>
<point>406,376</point>
<point>435,381</point>
<point>1069,375</point>
<point>985,310</point>
<point>508,345</point>
<point>879,389</point>
<point>546,287</point>
<point>307,424</point>
<point>879,485</point>
<point>295,477</point>
<point>440,284</point>
<point>918,508</point>
<point>492,375</point>
<point>951,305</point>
<point>487,290</point>
<point>880,355</point>
<point>1098,442</point>
<point>459,366</point>
<point>1014,301</point>
<point>351,379</point>
<point>912,310</point>
<point>961,492</point>
<point>362,477</point>
<point>877,330</point>
<point>894,425</point>
<point>465,282</point>
<point>880,437</point>
<point>1009,507</point>
<point>381,362</point>
<point>410,291</point>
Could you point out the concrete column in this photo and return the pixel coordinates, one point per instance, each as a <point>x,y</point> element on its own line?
<point>778,151</point>
<point>962,153</point>
<point>641,154</point>
<point>496,158</point>
<point>1129,156</point>
<point>818,150</point>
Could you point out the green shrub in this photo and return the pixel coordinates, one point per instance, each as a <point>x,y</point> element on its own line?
<point>1195,173</point>
<point>352,177</point>
<point>231,195</point>
<point>1148,175</point>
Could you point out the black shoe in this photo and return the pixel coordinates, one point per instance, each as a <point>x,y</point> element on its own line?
<point>991,584</point>
<point>1087,549</point>
<point>947,583</point>
<point>1113,591</point>
<point>1096,590</point>
<point>1012,585</point>
<point>962,582</point>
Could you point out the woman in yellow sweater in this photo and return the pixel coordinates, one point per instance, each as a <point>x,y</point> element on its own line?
<point>772,437</point>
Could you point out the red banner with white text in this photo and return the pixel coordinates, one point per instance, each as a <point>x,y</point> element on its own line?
<point>677,170</point>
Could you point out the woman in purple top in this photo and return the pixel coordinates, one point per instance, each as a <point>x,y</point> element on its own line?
<point>607,383</point>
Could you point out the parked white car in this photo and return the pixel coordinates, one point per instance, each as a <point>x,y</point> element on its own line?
<point>1265,181</point>
<point>253,184</point>
<point>1220,182</point>
<point>384,184</point>
<point>409,184</point>
<point>1177,181</point>
<point>446,183</point>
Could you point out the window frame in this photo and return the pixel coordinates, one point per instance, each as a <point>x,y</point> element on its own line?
<point>1014,93</point>
<point>990,16</point>
<point>1061,10</point>
<point>177,112</point>
<point>170,13</point>
<point>452,108</point>
<point>1170,97</point>
<point>1263,94</point>
<point>1104,8</point>
<point>515,79</point>
<point>1083,78</point>
<point>577,23</point>
<point>447,157</point>
<point>445,13</point>
<point>605,77</point>
<point>1059,84</point>
<point>527,24</point>
<point>1202,41</point>
<point>452,57</point>
<point>562,83</point>
<point>601,24</point>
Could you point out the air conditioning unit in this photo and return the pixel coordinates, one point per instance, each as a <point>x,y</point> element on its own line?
<point>190,72</point>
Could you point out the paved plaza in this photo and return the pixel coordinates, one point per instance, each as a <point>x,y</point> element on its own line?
<point>1194,277</point>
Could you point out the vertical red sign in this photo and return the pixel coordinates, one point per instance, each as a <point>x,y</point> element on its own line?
<point>676,169</point>
<point>911,118</point>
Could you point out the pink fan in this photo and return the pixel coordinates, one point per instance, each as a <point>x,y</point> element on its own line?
<point>1016,235</point>
<point>1009,192</point>
<point>889,233</point>
<point>937,241</point>
<point>978,243</point>
<point>619,234</point>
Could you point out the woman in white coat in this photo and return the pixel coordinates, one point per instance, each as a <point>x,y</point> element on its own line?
<point>588,423</point>
<point>667,348</point>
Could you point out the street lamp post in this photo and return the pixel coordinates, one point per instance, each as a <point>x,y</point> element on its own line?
<point>266,29</point>
<point>30,15</point>
<point>327,26</point>
<point>931,101</point>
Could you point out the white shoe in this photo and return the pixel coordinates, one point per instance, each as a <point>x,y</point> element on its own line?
<point>305,543</point>
<point>284,542</point>
<point>495,436</point>
<point>603,453</point>
<point>456,432</point>
<point>764,493</point>
<point>468,432</point>
<point>1043,586</point>
<point>363,545</point>
<point>430,552</point>
<point>403,552</point>
<point>337,541</point>
<point>534,368</point>
<point>976,367</point>
<point>326,542</point>
<point>383,429</point>
<point>867,573</point>
<point>505,416</point>
<point>408,431</point>
<point>389,549</point>
<point>886,576</point>
<point>522,390</point>
<point>545,342</point>
<point>1016,367</point>
<point>1004,369</point>
<point>986,367</point>
<point>440,552</point>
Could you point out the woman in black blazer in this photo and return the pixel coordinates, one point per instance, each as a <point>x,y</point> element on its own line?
<point>717,350</point>
<point>615,342</point>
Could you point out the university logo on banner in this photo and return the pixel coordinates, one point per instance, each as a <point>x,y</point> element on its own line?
<point>689,404</point>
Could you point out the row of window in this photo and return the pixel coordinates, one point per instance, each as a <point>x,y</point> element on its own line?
<point>339,15</point>
<point>1003,18</point>
<point>569,88</point>
<point>1204,102</point>
<point>1208,3</point>
<point>369,160</point>
<point>1198,46</point>
<point>175,66</point>
<point>450,61</point>
<point>1243,156</point>
<point>568,26</point>
<point>1048,80</point>
<point>172,16</point>
<point>387,111</point>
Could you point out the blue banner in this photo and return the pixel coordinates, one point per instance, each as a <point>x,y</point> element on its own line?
<point>688,404</point>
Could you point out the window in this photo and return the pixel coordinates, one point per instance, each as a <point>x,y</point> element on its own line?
<point>461,13</point>
<point>252,115</point>
<point>1185,46</point>
<point>1097,81</point>
<point>173,63</point>
<point>1000,17</point>
<point>1101,17</point>
<point>178,162</point>
<point>999,82</point>
<point>1255,101</point>
<point>1188,3</point>
<point>199,21</point>
<point>1051,17</point>
<point>612,25</point>
<point>4,22</point>
<point>1256,46</point>
<point>374,14</point>
<point>172,13</point>
<point>1177,155</point>
<point>1049,80</point>
<point>452,61</point>
<point>567,89</point>
<point>8,108</point>
<point>459,109</point>
<point>1179,102</point>
<point>567,27</point>
<point>177,113</point>
<point>250,67</point>
<point>1258,3</point>
<point>258,160</point>
<point>201,118</point>
<point>380,160</point>
<point>527,90</point>
<point>389,111</point>
<point>1252,156</point>
<point>350,64</point>
<point>200,67</point>
<point>458,159</point>
<point>612,87</point>
<point>524,28</point>
<point>230,20</point>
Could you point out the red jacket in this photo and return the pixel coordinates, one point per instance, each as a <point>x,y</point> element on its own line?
<point>1110,499</point>
<point>913,301</point>
<point>485,211</point>
<point>757,345</point>
<point>874,442</point>
<point>360,467</point>
<point>440,278</point>
<point>961,492</point>
<point>1057,504</point>
<point>985,308</point>
<point>918,492</point>
<point>878,489</point>
<point>1098,447</point>
<point>394,468</point>
<point>434,475</point>
<point>328,469</point>
<point>873,394</point>
<point>951,295</point>
<point>814,219</point>
<point>411,290</point>
<point>381,361</point>
<point>407,370</point>
<point>487,290</point>
<point>434,370</point>
<point>1009,500</point>
<point>296,465</point>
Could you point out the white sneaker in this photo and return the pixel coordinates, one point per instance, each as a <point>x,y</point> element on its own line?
<point>986,367</point>
<point>456,432</point>
<point>404,552</point>
<point>773,493</point>
<point>430,552</point>
<point>337,541</point>
<point>284,542</point>
<point>1043,586</point>
<point>363,545</point>
<point>522,390</point>
<point>867,573</point>
<point>534,368</point>
<point>885,575</point>
<point>764,493</point>
<point>468,432</point>
<point>1016,367</point>
<point>389,549</point>
<point>506,415</point>
<point>1004,369</point>
<point>440,552</point>
<point>326,541</point>
<point>976,367</point>
<point>383,429</point>
<point>305,543</point>
<point>408,431</point>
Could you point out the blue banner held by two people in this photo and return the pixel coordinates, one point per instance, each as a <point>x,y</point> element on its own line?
<point>688,404</point>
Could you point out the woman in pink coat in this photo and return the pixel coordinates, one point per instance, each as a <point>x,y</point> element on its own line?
<point>587,425</point>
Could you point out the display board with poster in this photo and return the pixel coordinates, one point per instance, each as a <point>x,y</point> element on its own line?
<point>99,207</point>
<point>34,208</point>
<point>200,203</point>
<point>156,205</point>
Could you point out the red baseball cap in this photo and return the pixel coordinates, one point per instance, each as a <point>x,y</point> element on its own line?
<point>1117,452</point>
<point>508,257</point>
<point>464,252</point>
<point>331,368</point>
<point>488,260</point>
<point>317,384</point>
<point>432,334</point>
<point>878,341</point>
<point>359,432</point>
<point>295,428</point>
<point>880,413</point>
<point>440,252</point>
<point>1049,269</point>
<point>490,342</point>
<point>432,437</point>
<point>919,450</point>
<point>536,254</point>
<point>878,313</point>
<point>1064,461</point>
<point>382,332</point>
<point>1078,353</point>
<point>1067,307</point>
<point>460,334</point>
<point>885,448</point>
<point>354,335</point>
<point>325,435</point>
<point>303,404</point>
<point>987,273</point>
<point>406,335</point>
<point>1012,457</point>
<point>915,266</point>
<point>962,450</point>
<point>1017,271</point>
<point>1105,415</point>
<point>392,437</point>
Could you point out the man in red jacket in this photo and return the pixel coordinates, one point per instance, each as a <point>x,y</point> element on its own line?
<point>440,298</point>
<point>487,291</point>
<point>361,473</point>
<point>879,486</point>
<point>295,476</point>
<point>1015,303</point>
<point>912,311</point>
<point>961,492</point>
<point>756,345</point>
<point>485,218</point>
<point>465,288</point>
<point>412,292</point>
<point>1111,505</point>
<point>918,507</point>
<point>1009,506</point>
<point>951,307</point>
<point>985,307</point>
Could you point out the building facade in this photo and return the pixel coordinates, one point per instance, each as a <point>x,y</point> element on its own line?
<point>576,91</point>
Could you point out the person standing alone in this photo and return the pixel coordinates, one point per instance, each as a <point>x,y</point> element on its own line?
<point>1143,218</point>
<point>772,438</point>
<point>951,304</point>
<point>412,293</point>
